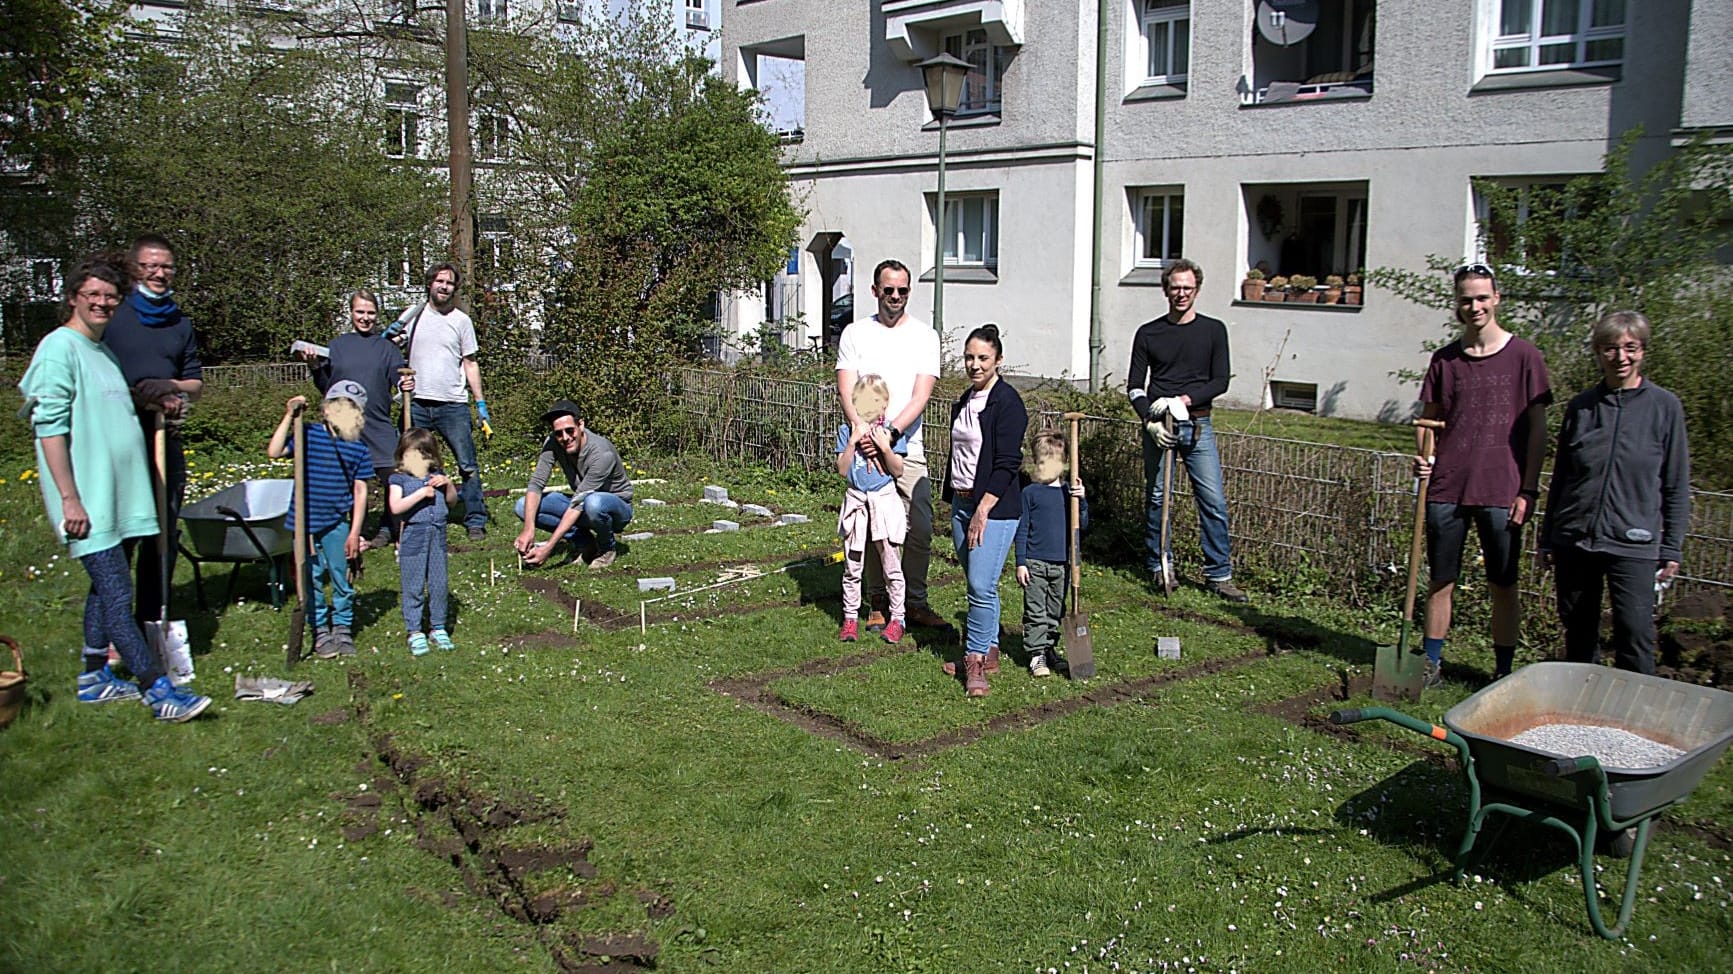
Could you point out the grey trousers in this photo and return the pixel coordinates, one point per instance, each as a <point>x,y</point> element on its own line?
<point>1043,605</point>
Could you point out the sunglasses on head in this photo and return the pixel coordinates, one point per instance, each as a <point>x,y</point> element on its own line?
<point>1477,268</point>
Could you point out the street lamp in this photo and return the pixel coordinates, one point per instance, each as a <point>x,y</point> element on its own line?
<point>944,76</point>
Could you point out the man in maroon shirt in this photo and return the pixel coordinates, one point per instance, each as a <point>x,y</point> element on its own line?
<point>1491,389</point>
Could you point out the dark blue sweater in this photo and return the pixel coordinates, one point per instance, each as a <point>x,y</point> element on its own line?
<point>372,361</point>
<point>1042,532</point>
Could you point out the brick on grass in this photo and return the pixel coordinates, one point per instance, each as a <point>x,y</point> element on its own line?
<point>655,585</point>
<point>715,494</point>
<point>720,526</point>
<point>794,519</point>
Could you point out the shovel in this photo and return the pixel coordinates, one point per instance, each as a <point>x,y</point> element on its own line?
<point>1395,674</point>
<point>1168,581</point>
<point>303,582</point>
<point>1074,627</point>
<point>405,395</point>
<point>167,639</point>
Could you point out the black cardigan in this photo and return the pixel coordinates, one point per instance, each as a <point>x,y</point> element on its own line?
<point>1003,421</point>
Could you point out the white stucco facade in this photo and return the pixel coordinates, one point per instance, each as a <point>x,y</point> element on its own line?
<point>1395,157</point>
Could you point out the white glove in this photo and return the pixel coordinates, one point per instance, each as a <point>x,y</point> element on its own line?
<point>1176,408</point>
<point>1160,434</point>
<point>1158,408</point>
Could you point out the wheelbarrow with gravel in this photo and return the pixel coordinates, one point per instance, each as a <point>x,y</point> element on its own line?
<point>1587,750</point>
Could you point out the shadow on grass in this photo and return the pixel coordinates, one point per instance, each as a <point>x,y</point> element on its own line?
<point>1292,632</point>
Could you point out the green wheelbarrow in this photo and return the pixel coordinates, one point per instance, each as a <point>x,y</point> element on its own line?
<point>1576,794</point>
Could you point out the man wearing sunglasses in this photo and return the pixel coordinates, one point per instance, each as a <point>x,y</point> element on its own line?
<point>905,351</point>
<point>601,501</point>
<point>1491,389</point>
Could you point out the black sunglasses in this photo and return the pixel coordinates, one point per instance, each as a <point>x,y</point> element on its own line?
<point>896,292</point>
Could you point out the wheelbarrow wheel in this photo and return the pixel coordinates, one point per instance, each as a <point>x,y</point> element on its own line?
<point>1620,844</point>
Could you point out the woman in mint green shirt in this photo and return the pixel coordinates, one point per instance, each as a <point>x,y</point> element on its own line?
<point>96,486</point>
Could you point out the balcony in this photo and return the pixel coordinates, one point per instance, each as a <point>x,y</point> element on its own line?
<point>914,29</point>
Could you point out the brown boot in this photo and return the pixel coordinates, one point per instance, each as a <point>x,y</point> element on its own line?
<point>924,616</point>
<point>991,667</point>
<point>975,675</point>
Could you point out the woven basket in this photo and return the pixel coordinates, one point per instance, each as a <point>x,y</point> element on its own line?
<point>12,684</point>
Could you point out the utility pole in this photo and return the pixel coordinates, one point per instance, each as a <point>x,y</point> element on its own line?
<point>457,138</point>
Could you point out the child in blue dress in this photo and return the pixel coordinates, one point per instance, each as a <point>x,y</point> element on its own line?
<point>421,498</point>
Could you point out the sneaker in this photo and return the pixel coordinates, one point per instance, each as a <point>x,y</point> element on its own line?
<point>975,675</point>
<point>894,631</point>
<point>875,621</point>
<point>1434,675</point>
<point>418,644</point>
<point>1038,666</point>
<point>347,649</point>
<point>1228,590</point>
<point>344,637</point>
<point>441,639</point>
<point>991,667</point>
<point>922,615</point>
<point>477,533</point>
<point>102,686</point>
<point>604,559</point>
<point>850,631</point>
<point>325,645</point>
<point>173,704</point>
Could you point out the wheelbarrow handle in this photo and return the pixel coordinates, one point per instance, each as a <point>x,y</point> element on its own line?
<point>1400,719</point>
<point>1562,767</point>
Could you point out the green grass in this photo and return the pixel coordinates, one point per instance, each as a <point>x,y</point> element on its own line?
<point>1183,829</point>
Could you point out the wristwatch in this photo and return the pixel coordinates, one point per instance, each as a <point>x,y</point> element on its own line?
<point>896,434</point>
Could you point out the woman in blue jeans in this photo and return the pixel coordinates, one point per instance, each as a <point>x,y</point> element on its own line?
<point>987,425</point>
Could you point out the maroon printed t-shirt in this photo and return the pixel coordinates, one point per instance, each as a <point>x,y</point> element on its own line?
<point>1482,399</point>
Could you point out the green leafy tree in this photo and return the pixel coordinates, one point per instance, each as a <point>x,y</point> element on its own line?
<point>1619,239</point>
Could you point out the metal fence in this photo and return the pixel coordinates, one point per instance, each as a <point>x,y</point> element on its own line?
<point>276,373</point>
<point>1344,515</point>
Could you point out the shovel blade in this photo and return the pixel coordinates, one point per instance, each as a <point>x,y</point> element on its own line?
<point>297,633</point>
<point>1079,647</point>
<point>1397,675</point>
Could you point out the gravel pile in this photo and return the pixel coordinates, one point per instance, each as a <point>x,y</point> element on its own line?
<point>1613,747</point>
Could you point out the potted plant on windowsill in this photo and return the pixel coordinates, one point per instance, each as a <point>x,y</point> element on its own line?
<point>1278,289</point>
<point>1332,289</point>
<point>1300,289</point>
<point>1353,292</point>
<point>1252,288</point>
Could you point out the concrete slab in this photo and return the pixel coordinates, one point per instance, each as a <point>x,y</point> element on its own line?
<point>756,510</point>
<point>715,494</point>
<point>640,536</point>
<point>655,584</point>
<point>793,519</point>
<point>725,525</point>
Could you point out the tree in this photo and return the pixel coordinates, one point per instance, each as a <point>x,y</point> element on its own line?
<point>1568,253</point>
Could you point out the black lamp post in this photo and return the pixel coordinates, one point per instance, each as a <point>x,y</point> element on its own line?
<point>944,76</point>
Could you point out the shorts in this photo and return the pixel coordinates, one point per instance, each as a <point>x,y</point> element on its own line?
<point>1447,530</point>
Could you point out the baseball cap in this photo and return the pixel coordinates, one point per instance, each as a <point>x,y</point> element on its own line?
<point>347,389</point>
<point>563,407</point>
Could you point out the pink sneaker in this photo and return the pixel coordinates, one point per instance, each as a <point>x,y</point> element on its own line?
<point>894,631</point>
<point>850,631</point>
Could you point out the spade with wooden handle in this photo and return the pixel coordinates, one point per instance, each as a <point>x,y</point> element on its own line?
<point>404,394</point>
<point>1074,626</point>
<point>1397,675</point>
<point>303,581</point>
<point>1168,580</point>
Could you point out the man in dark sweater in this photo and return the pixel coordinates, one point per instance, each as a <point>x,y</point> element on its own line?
<point>159,356</point>
<point>363,356</point>
<point>1179,365</point>
<point>601,501</point>
<point>1620,499</point>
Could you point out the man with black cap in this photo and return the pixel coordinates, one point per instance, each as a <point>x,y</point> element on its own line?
<point>601,501</point>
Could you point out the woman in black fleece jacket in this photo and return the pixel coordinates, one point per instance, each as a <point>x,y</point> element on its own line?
<point>987,425</point>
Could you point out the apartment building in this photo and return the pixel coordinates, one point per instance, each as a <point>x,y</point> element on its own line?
<point>1310,137</point>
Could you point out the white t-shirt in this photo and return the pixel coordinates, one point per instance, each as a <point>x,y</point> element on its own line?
<point>966,442</point>
<point>899,354</point>
<point>436,352</point>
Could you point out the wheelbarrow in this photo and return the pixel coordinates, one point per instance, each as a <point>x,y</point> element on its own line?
<point>1576,794</point>
<point>240,524</point>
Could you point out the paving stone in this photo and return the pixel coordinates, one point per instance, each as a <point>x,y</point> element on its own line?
<point>715,495</point>
<point>725,525</point>
<point>655,584</point>
<point>640,536</point>
<point>757,510</point>
<point>651,502</point>
<point>794,519</point>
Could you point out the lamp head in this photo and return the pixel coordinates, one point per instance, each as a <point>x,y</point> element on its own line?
<point>944,75</point>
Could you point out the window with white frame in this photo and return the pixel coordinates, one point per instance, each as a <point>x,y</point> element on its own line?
<point>1543,35</point>
<point>402,135</point>
<point>1310,229</point>
<point>972,230</point>
<point>1166,41</point>
<point>493,249</point>
<point>778,71</point>
<point>492,129</point>
<point>1523,222</point>
<point>1158,221</point>
<point>984,86</point>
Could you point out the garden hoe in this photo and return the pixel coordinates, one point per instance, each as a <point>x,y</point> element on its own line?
<point>1168,581</point>
<point>303,581</point>
<point>1074,627</point>
<point>1397,675</point>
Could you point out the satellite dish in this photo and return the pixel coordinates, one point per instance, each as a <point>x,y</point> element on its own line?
<point>1285,23</point>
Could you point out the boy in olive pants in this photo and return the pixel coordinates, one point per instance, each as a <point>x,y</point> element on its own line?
<point>1041,544</point>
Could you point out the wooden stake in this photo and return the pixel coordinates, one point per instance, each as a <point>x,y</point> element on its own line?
<point>577,607</point>
<point>492,570</point>
<point>643,625</point>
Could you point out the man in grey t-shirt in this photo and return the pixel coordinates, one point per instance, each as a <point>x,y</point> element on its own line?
<point>441,347</point>
<point>601,501</point>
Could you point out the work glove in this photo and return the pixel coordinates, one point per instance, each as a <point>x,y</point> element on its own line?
<point>486,418</point>
<point>1177,408</point>
<point>270,689</point>
<point>1157,409</point>
<point>1163,437</point>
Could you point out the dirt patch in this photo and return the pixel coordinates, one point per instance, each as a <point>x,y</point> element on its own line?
<point>1694,656</point>
<point>331,718</point>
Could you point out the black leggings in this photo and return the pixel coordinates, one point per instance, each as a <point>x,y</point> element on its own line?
<point>108,614</point>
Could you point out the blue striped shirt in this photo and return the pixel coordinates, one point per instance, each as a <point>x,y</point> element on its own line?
<point>333,466</point>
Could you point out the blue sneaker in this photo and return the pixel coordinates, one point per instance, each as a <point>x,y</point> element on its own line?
<point>102,686</point>
<point>170,703</point>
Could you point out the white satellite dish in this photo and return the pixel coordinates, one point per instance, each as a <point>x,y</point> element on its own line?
<point>1285,23</point>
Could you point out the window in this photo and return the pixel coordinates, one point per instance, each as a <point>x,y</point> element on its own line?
<point>1542,35</point>
<point>490,11</point>
<point>972,230</point>
<point>1311,229</point>
<point>402,137</point>
<point>1166,41</point>
<point>985,83</point>
<point>492,129</point>
<point>1333,61</point>
<point>404,270</point>
<point>778,72</point>
<point>1159,221</point>
<point>44,282</point>
<point>1523,223</point>
<point>569,11</point>
<point>493,249</point>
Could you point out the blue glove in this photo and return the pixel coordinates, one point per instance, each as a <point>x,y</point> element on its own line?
<point>481,410</point>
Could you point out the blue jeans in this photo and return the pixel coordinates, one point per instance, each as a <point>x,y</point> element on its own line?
<point>982,566</point>
<point>451,421</point>
<point>1197,447</point>
<point>331,562</point>
<point>603,514</point>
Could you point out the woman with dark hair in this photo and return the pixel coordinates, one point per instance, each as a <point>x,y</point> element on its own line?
<point>987,425</point>
<point>96,485</point>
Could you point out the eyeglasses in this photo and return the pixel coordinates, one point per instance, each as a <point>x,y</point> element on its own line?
<point>1632,349</point>
<point>894,292</point>
<point>147,268</point>
<point>1176,289</point>
<point>99,297</point>
<point>567,433</point>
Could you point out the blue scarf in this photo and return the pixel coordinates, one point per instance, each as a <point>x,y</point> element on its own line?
<point>153,311</point>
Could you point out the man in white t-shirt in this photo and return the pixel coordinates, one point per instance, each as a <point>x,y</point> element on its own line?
<point>441,349</point>
<point>904,351</point>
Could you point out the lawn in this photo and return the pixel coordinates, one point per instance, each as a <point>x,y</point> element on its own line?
<point>734,790</point>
